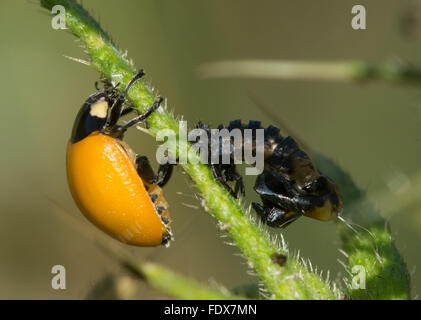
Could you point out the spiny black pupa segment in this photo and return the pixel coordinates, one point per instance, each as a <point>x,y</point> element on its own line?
<point>201,125</point>
<point>283,154</point>
<point>272,132</point>
<point>290,186</point>
<point>254,125</point>
<point>236,124</point>
<point>285,147</point>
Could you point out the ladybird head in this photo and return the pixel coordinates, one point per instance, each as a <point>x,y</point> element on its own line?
<point>91,117</point>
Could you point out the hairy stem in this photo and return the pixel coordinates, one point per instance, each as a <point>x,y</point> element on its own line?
<point>170,282</point>
<point>367,244</point>
<point>290,281</point>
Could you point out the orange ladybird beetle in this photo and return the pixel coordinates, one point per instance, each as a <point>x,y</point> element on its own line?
<point>117,190</point>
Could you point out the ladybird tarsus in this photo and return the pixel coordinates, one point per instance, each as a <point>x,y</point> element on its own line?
<point>120,130</point>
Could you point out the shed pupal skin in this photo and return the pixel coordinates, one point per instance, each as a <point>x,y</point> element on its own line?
<point>290,185</point>
<point>116,189</point>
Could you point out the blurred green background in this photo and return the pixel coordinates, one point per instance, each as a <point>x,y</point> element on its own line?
<point>370,129</point>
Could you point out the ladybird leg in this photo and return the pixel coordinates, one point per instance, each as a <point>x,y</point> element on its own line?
<point>280,196</point>
<point>217,174</point>
<point>303,203</point>
<point>144,169</point>
<point>286,196</point>
<point>126,111</point>
<point>239,184</point>
<point>117,106</point>
<point>261,211</point>
<point>273,216</point>
<point>164,174</point>
<point>146,172</point>
<point>296,204</point>
<point>141,117</point>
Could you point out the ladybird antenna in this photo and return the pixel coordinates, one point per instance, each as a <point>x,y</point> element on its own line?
<point>141,117</point>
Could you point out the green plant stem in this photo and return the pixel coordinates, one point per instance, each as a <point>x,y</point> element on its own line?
<point>367,242</point>
<point>182,287</point>
<point>341,71</point>
<point>172,283</point>
<point>291,281</point>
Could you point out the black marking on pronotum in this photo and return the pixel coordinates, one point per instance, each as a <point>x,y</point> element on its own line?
<point>100,115</point>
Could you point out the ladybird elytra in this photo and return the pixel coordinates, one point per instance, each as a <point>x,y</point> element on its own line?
<point>109,192</point>
<point>116,189</point>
